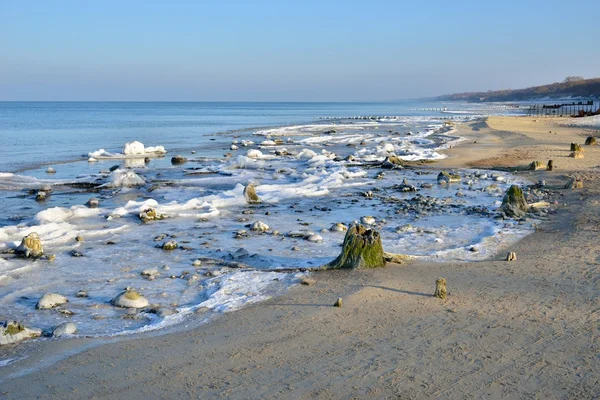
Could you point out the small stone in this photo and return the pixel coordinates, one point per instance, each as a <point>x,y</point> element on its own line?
<point>92,203</point>
<point>259,226</point>
<point>64,329</point>
<point>50,170</point>
<point>82,294</point>
<point>197,263</point>
<point>315,238</point>
<point>79,238</point>
<point>150,273</point>
<point>308,281</point>
<point>338,302</point>
<point>130,299</point>
<point>50,300</point>
<point>178,159</point>
<point>41,196</point>
<point>295,248</point>
<point>169,245</point>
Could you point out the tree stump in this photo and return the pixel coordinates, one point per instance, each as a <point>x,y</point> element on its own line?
<point>250,195</point>
<point>535,165</point>
<point>574,183</point>
<point>514,204</point>
<point>440,288</point>
<point>362,248</point>
<point>338,303</point>
<point>576,147</point>
<point>590,141</point>
<point>512,256</point>
<point>550,165</point>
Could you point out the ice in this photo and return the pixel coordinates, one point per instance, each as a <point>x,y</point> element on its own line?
<point>130,149</point>
<point>121,178</point>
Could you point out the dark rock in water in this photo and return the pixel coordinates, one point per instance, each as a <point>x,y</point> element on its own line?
<point>446,177</point>
<point>169,245</point>
<point>41,196</point>
<point>514,204</point>
<point>113,168</point>
<point>92,203</point>
<point>75,253</point>
<point>175,160</point>
<point>146,160</point>
<point>250,195</point>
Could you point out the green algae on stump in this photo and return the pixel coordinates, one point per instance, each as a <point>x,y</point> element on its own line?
<point>514,204</point>
<point>440,288</point>
<point>362,248</point>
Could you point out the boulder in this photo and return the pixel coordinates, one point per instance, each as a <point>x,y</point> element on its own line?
<point>130,299</point>
<point>50,300</point>
<point>315,238</point>
<point>440,288</point>
<point>31,246</point>
<point>14,332</point>
<point>513,203</point>
<point>392,162</point>
<point>445,177</point>
<point>175,160</point>
<point>362,248</point>
<point>64,329</point>
<point>150,214</point>
<point>590,141</point>
<point>259,226</point>
<point>250,195</point>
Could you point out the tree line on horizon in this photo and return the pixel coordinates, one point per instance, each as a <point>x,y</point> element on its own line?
<point>571,86</point>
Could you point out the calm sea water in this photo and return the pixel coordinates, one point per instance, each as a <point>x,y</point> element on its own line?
<point>45,132</point>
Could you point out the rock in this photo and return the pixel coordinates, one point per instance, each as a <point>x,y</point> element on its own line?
<point>574,183</point>
<point>14,332</point>
<point>440,288</point>
<point>576,147</point>
<point>169,245</point>
<point>75,253</point>
<point>445,177</point>
<point>308,281</point>
<point>50,300</point>
<point>92,160</point>
<point>233,147</point>
<point>590,141</point>
<point>536,165</point>
<point>368,194</point>
<point>82,294</point>
<point>130,299</point>
<point>367,220</point>
<point>315,238</point>
<point>550,165</point>
<point>92,202</point>
<point>576,154</point>
<point>254,153</point>
<point>79,238</point>
<point>64,329</point>
<point>282,152</point>
<point>41,196</point>
<point>338,303</point>
<point>339,227</point>
<point>114,168</point>
<point>512,256</point>
<point>392,162</point>
<point>405,186</point>
<point>150,273</point>
<point>513,203</point>
<point>178,159</point>
<point>150,214</point>
<point>362,248</point>
<point>197,263</point>
<point>51,170</point>
<point>250,195</point>
<point>31,246</point>
<point>259,226</point>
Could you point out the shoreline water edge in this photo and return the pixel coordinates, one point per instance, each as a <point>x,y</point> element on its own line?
<point>188,233</point>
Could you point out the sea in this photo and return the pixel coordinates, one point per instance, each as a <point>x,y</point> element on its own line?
<point>314,166</point>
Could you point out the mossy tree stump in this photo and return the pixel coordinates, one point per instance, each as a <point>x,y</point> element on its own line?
<point>590,141</point>
<point>362,248</point>
<point>250,195</point>
<point>514,203</point>
<point>576,147</point>
<point>440,288</point>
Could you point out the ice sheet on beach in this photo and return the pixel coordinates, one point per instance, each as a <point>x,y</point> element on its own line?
<point>133,149</point>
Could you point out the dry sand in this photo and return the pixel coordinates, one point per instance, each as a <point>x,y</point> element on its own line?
<point>523,329</point>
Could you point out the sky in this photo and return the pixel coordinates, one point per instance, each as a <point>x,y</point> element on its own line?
<point>289,50</point>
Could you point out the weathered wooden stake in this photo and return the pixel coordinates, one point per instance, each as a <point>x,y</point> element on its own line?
<point>440,288</point>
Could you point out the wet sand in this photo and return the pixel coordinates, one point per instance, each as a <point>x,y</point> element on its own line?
<point>523,329</point>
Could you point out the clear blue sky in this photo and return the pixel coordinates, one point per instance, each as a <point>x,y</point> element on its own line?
<point>289,50</point>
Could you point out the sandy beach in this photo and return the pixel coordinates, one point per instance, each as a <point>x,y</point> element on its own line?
<point>523,329</point>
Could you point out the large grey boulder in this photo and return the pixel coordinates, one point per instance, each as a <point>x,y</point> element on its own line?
<point>50,300</point>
